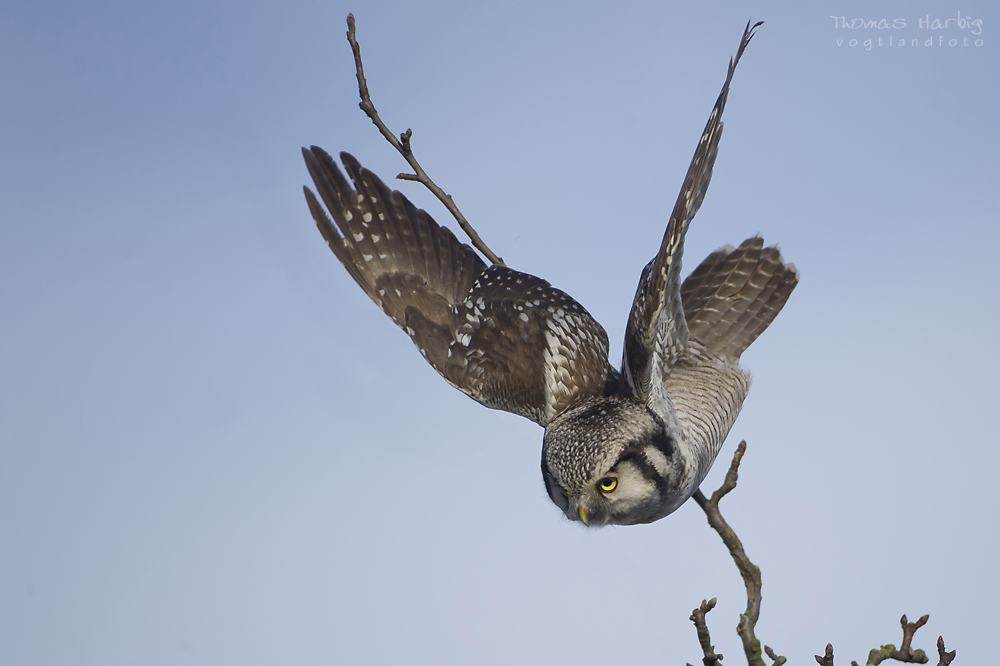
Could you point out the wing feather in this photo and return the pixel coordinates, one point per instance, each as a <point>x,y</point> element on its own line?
<point>735,294</point>
<point>657,330</point>
<point>507,339</point>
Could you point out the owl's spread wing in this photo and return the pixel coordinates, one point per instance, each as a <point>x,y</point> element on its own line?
<point>507,339</point>
<point>657,332</point>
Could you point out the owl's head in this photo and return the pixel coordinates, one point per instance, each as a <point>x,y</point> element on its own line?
<point>612,462</point>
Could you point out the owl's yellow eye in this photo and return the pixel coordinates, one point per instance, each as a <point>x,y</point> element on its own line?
<point>608,484</point>
<point>564,493</point>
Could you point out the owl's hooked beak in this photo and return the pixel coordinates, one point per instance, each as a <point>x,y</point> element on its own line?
<point>583,516</point>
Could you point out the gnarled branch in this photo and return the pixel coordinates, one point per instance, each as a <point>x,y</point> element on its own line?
<point>748,570</point>
<point>751,579</point>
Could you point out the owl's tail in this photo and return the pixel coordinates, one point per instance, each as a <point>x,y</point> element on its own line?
<point>735,294</point>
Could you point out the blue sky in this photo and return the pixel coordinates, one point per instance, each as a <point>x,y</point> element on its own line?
<point>215,449</point>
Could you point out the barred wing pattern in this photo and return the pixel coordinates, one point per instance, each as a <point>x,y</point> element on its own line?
<point>657,330</point>
<point>507,339</point>
<point>734,294</point>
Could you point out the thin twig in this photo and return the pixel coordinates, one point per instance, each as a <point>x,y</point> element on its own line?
<point>402,144</point>
<point>711,658</point>
<point>748,570</point>
<point>905,653</point>
<point>778,659</point>
<point>944,658</point>
<point>827,658</point>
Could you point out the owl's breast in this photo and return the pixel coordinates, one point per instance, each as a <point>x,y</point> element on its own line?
<point>707,394</point>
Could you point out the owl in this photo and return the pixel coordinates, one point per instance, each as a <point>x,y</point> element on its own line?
<point>621,446</point>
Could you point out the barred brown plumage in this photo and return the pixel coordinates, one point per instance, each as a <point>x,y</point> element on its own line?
<point>507,339</point>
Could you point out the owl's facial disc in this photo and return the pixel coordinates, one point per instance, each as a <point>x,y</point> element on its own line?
<point>607,462</point>
<point>622,495</point>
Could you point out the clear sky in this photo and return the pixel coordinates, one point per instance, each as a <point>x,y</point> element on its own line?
<point>214,449</point>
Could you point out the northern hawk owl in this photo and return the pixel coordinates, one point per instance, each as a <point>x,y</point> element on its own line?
<point>619,447</point>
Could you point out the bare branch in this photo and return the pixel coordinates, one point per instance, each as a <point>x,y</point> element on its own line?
<point>751,578</point>
<point>402,144</point>
<point>827,658</point>
<point>778,659</point>
<point>944,658</point>
<point>748,570</point>
<point>711,658</point>
<point>905,653</point>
